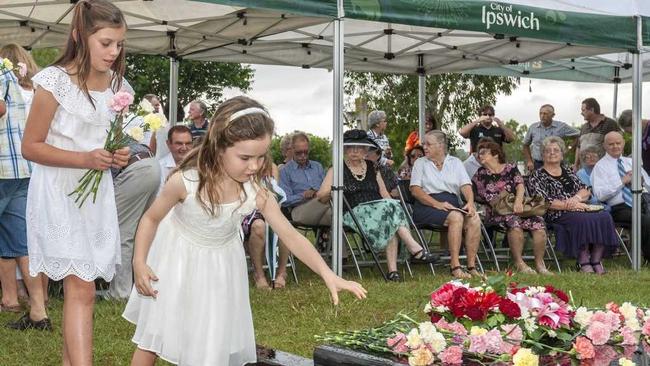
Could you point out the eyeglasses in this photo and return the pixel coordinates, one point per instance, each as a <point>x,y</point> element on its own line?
<point>484,151</point>
<point>487,114</point>
<point>300,152</point>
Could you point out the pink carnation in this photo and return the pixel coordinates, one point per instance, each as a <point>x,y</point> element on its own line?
<point>599,333</point>
<point>610,318</point>
<point>512,336</point>
<point>604,355</point>
<point>584,348</point>
<point>121,101</point>
<point>454,327</point>
<point>398,343</point>
<point>489,342</point>
<point>452,355</point>
<point>646,328</point>
<point>628,336</point>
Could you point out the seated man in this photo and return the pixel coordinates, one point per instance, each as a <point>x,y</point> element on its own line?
<point>179,143</point>
<point>437,181</point>
<point>615,189</point>
<point>300,179</point>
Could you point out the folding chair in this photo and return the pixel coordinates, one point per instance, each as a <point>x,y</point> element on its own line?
<point>407,200</point>
<point>621,228</point>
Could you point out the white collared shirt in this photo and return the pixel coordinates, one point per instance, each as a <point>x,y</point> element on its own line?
<point>606,181</point>
<point>167,164</point>
<point>431,180</point>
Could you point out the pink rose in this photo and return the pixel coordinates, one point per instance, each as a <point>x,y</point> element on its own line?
<point>646,328</point>
<point>121,101</point>
<point>599,333</point>
<point>452,355</point>
<point>584,348</point>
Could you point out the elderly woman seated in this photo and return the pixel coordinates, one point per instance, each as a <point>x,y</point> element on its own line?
<point>381,217</point>
<point>496,176</point>
<point>579,233</point>
<point>437,181</point>
<point>589,157</point>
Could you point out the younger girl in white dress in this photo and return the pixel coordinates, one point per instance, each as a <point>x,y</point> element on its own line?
<point>64,137</point>
<point>190,301</point>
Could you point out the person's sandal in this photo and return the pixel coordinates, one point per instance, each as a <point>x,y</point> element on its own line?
<point>458,273</point>
<point>525,269</point>
<point>394,277</point>
<point>424,257</point>
<point>474,272</point>
<point>544,271</point>
<point>585,268</point>
<point>11,308</point>
<point>598,268</point>
<point>25,322</point>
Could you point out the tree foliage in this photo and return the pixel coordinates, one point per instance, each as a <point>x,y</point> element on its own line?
<point>514,149</point>
<point>45,56</point>
<point>452,98</point>
<point>196,79</point>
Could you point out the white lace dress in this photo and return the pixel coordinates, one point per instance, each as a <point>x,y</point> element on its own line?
<point>62,238</point>
<point>201,315</point>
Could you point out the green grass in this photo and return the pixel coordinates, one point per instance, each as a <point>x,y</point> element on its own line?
<point>288,319</point>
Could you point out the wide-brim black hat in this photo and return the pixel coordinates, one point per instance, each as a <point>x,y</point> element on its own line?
<point>358,138</point>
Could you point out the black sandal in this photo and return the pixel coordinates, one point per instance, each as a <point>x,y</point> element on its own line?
<point>602,269</point>
<point>394,277</point>
<point>424,257</point>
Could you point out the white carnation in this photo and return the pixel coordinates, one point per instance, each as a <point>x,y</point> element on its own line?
<point>583,316</point>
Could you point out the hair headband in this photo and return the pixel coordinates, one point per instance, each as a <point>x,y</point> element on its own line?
<point>247,111</point>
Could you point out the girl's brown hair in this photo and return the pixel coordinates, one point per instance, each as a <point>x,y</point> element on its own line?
<point>89,16</point>
<point>16,54</point>
<point>222,134</point>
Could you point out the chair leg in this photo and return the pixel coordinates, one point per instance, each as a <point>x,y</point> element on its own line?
<point>354,256</point>
<point>622,242</point>
<point>292,263</point>
<point>486,237</point>
<point>549,248</point>
<point>406,261</point>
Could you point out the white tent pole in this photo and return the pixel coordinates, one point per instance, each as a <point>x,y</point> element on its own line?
<point>337,144</point>
<point>422,89</point>
<point>173,90</point>
<point>636,150</point>
<point>617,80</point>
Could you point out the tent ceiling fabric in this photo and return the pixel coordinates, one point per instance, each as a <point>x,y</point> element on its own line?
<point>220,30</point>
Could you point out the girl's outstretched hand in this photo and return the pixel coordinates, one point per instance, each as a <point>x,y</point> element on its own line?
<point>335,284</point>
<point>143,275</point>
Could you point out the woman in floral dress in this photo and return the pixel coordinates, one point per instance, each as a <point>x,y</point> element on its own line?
<point>496,176</point>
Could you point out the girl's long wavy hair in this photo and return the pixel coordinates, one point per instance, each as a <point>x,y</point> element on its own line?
<point>89,16</point>
<point>222,133</point>
<point>16,54</point>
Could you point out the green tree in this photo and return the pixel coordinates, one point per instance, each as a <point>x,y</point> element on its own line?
<point>45,56</point>
<point>514,149</point>
<point>452,98</point>
<point>320,150</point>
<point>196,79</point>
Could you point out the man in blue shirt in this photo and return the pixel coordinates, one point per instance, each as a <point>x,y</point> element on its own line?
<point>301,178</point>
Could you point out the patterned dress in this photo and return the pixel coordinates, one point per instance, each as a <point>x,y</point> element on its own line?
<point>489,186</point>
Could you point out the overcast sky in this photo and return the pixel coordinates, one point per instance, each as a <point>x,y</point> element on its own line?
<point>302,98</point>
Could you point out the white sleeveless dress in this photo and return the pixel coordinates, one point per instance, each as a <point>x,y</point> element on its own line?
<point>62,238</point>
<point>202,314</point>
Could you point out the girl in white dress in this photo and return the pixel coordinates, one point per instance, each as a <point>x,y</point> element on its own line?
<point>190,299</point>
<point>64,137</point>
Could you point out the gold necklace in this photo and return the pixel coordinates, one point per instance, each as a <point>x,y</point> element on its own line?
<point>358,176</point>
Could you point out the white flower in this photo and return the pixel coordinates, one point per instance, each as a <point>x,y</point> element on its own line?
<point>136,133</point>
<point>421,357</point>
<point>628,310</point>
<point>146,106</point>
<point>530,325</point>
<point>430,335</point>
<point>413,339</point>
<point>551,333</point>
<point>438,343</point>
<point>427,308</point>
<point>441,309</point>
<point>583,316</point>
<point>625,362</point>
<point>477,330</point>
<point>633,324</point>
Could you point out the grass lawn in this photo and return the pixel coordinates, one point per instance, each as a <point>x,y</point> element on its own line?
<point>288,319</point>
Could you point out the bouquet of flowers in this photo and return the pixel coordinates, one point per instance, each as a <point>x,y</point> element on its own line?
<point>501,323</point>
<point>124,127</point>
<point>6,66</point>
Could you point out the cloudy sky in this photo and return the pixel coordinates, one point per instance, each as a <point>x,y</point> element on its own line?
<point>302,98</point>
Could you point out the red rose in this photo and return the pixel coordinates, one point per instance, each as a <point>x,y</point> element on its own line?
<point>475,313</point>
<point>435,317</point>
<point>510,308</point>
<point>443,296</point>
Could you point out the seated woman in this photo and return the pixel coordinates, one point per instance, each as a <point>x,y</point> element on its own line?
<point>413,154</point>
<point>585,235</point>
<point>494,177</point>
<point>437,181</point>
<point>254,228</point>
<point>589,157</point>
<point>387,175</point>
<point>381,217</point>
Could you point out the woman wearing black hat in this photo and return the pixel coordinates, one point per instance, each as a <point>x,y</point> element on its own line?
<point>381,217</point>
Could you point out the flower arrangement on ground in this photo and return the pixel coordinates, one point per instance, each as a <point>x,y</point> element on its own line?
<point>505,323</point>
<point>124,127</point>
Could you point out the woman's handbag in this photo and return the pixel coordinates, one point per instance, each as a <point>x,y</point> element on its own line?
<point>505,202</point>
